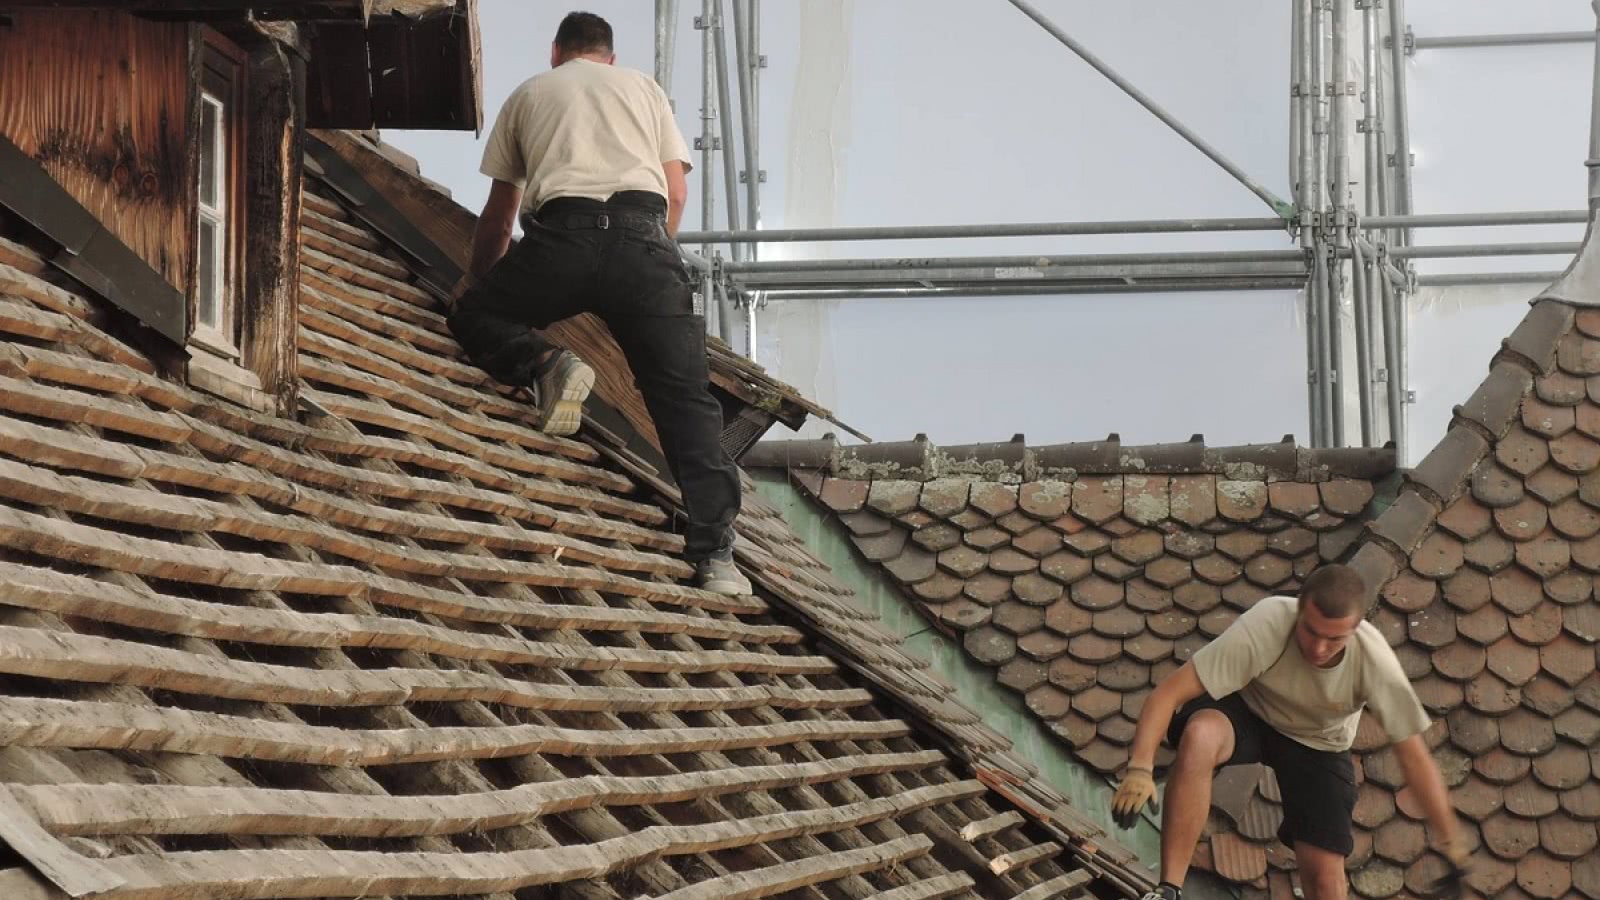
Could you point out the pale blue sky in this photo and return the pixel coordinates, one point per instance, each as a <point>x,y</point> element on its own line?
<point>948,111</point>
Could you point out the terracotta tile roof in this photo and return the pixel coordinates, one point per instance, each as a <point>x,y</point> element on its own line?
<point>1085,586</point>
<point>408,645</point>
<point>1484,562</point>
<point>1085,573</point>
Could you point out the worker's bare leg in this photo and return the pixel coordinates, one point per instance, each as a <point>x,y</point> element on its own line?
<point>1322,874</point>
<point>1207,743</point>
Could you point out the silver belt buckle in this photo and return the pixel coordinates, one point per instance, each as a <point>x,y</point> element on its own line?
<point>602,221</point>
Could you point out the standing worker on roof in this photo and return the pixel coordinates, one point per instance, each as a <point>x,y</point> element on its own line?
<point>1284,685</point>
<point>590,156</point>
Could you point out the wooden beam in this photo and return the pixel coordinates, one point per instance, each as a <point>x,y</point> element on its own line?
<point>1007,863</point>
<point>73,595</point>
<point>87,725</point>
<point>936,888</point>
<point>108,809</point>
<point>275,82</point>
<point>65,867</point>
<point>1069,885</point>
<point>221,568</point>
<point>973,832</point>
<point>82,658</point>
<point>261,874</point>
<point>811,870</point>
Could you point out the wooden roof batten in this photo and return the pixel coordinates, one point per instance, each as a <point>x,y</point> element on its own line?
<point>407,644</point>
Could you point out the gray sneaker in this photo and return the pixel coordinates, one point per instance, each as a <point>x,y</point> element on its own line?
<point>719,575</point>
<point>562,389</point>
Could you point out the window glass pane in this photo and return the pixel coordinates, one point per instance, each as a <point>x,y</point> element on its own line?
<point>210,126</point>
<point>206,308</point>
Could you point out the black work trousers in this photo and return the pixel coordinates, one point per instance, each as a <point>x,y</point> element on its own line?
<point>613,258</point>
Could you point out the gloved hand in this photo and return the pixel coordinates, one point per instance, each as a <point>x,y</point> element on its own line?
<point>1138,787</point>
<point>1458,855</point>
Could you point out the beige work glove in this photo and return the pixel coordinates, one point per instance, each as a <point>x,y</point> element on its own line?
<point>1138,787</point>
<point>1458,853</point>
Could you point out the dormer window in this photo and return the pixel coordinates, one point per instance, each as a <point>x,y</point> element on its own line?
<point>217,240</point>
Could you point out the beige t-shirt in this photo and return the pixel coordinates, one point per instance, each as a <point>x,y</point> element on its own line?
<point>1258,657</point>
<point>584,129</point>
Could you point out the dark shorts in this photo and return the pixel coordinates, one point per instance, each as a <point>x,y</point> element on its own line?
<point>1318,786</point>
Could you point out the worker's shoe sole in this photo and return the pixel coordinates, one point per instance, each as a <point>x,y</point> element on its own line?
<point>562,390</point>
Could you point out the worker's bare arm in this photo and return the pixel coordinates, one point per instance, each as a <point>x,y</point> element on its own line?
<point>1171,694</point>
<point>1423,779</point>
<point>493,233</point>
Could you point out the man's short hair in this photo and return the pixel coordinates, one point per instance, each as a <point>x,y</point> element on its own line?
<point>1337,590</point>
<point>583,32</point>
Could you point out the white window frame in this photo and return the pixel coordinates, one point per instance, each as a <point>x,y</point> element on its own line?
<point>221,90</point>
<point>215,334</point>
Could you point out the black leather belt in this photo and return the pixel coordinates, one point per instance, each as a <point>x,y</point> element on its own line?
<point>602,221</point>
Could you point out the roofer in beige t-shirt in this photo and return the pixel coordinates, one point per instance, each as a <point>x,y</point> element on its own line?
<point>589,155</point>
<point>1285,685</point>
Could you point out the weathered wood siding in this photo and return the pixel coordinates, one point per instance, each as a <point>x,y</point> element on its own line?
<point>101,100</point>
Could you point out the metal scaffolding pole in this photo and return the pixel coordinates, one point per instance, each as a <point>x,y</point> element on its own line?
<point>1279,206</point>
<point>1332,382</point>
<point>1456,251</point>
<point>708,115</point>
<point>714,300</point>
<point>1117,273</point>
<point>1464,278</point>
<point>1320,111</point>
<point>1306,83</point>
<point>1363,315</point>
<point>666,42</point>
<point>1131,226</point>
<point>730,178</point>
<point>1393,308</point>
<point>1319,303</point>
<point>747,58</point>
<point>1340,204</point>
<point>1018,262</point>
<point>1372,119</point>
<point>1026,229</point>
<point>1297,106</point>
<point>1467,220</point>
<point>1305,80</point>
<point>1402,116</point>
<point>730,174</point>
<point>1024,290</point>
<point>1454,41</point>
<point>1340,81</point>
<point>1399,318</point>
<point>1376,203</point>
<point>747,49</point>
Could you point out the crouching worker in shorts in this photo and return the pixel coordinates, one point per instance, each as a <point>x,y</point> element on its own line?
<point>1285,685</point>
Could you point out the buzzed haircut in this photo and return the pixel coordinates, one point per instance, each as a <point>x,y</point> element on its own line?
<point>583,32</point>
<point>1337,590</point>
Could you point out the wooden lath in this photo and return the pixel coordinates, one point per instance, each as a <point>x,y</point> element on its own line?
<point>110,726</point>
<point>82,809</point>
<point>538,700</point>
